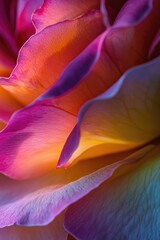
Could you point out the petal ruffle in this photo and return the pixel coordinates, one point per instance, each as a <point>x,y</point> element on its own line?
<point>97,68</point>
<point>38,201</point>
<point>33,139</point>
<point>124,207</point>
<point>59,44</point>
<point>52,231</point>
<point>124,117</point>
<point>55,11</point>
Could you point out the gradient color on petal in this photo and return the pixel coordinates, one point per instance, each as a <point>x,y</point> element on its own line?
<point>38,201</point>
<point>59,44</point>
<point>126,206</point>
<point>55,11</point>
<point>94,72</point>
<point>126,38</point>
<point>124,117</point>
<point>33,139</point>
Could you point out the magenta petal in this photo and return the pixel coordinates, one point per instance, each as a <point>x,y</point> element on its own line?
<point>38,201</point>
<point>32,141</point>
<point>55,11</point>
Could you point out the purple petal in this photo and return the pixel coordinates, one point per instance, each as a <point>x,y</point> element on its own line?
<point>55,11</point>
<point>77,69</point>
<point>32,141</point>
<point>124,207</point>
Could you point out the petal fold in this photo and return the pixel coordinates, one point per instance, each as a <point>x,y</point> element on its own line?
<point>131,35</point>
<point>55,11</point>
<point>37,202</point>
<point>59,44</point>
<point>124,117</point>
<point>126,206</point>
<point>33,139</point>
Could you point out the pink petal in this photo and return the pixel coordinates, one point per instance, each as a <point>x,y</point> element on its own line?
<point>55,11</point>
<point>38,201</point>
<point>104,67</point>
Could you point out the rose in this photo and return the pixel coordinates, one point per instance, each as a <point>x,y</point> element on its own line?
<point>106,53</point>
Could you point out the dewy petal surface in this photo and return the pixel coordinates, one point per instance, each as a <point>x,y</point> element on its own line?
<point>52,231</point>
<point>126,206</point>
<point>54,11</point>
<point>38,201</point>
<point>33,139</point>
<point>124,117</point>
<point>59,44</point>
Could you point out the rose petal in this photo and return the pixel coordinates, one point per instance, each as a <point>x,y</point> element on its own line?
<point>63,42</point>
<point>94,72</point>
<point>124,207</point>
<point>54,11</point>
<point>24,26</point>
<point>124,117</point>
<point>38,201</point>
<point>137,23</point>
<point>7,22</point>
<point>103,65</point>
<point>53,231</point>
<point>155,47</point>
<point>33,139</point>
